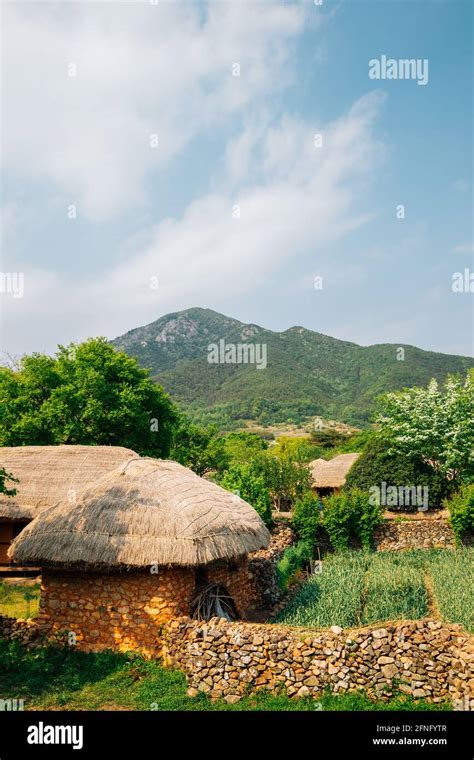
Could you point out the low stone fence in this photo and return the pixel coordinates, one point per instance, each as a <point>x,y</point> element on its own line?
<point>26,632</point>
<point>424,658</point>
<point>414,533</point>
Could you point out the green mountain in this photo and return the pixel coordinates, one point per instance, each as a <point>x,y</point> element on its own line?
<point>306,373</point>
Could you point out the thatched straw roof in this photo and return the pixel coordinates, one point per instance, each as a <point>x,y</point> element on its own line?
<point>332,473</point>
<point>49,474</point>
<point>147,512</point>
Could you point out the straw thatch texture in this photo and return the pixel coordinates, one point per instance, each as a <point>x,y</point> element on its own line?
<point>49,474</point>
<point>147,512</point>
<point>332,473</point>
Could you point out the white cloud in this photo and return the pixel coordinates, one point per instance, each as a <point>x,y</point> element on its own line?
<point>307,199</point>
<point>140,70</point>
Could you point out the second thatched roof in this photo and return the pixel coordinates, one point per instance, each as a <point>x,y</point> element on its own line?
<point>147,512</point>
<point>49,474</point>
<point>332,473</point>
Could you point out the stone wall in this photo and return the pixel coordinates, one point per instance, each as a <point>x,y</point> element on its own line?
<point>124,611</point>
<point>413,533</point>
<point>30,633</point>
<point>425,658</point>
<point>236,579</point>
<point>262,568</point>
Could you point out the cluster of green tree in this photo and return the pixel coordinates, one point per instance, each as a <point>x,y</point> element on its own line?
<point>378,465</point>
<point>230,415</point>
<point>85,394</point>
<point>424,438</point>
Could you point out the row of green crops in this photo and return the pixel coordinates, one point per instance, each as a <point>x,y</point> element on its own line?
<point>359,588</point>
<point>452,575</point>
<point>394,589</point>
<point>331,597</point>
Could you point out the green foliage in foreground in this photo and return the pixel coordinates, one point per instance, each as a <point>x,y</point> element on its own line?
<point>358,588</point>
<point>65,679</point>
<point>461,509</point>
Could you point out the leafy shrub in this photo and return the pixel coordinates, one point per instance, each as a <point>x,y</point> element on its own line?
<point>350,514</point>
<point>250,486</point>
<point>306,517</point>
<point>461,508</point>
<point>379,464</point>
<point>293,559</point>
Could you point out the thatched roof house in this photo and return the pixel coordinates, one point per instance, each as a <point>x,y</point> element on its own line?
<point>146,512</point>
<point>331,474</point>
<point>48,475</point>
<point>135,549</point>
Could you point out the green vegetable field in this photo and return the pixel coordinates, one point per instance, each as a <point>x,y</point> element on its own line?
<point>357,588</point>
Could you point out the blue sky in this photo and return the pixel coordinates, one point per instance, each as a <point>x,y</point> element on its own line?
<point>168,212</point>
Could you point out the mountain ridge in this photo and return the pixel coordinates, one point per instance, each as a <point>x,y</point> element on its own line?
<point>307,373</point>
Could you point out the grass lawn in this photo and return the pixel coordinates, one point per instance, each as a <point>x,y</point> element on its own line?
<point>358,588</point>
<point>54,678</point>
<point>20,601</point>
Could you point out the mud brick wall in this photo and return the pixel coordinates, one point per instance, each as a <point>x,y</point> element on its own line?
<point>414,534</point>
<point>426,659</point>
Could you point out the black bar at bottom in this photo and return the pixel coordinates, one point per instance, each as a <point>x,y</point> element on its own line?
<point>124,734</point>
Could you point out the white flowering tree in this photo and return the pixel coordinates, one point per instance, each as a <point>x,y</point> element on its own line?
<point>434,423</point>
